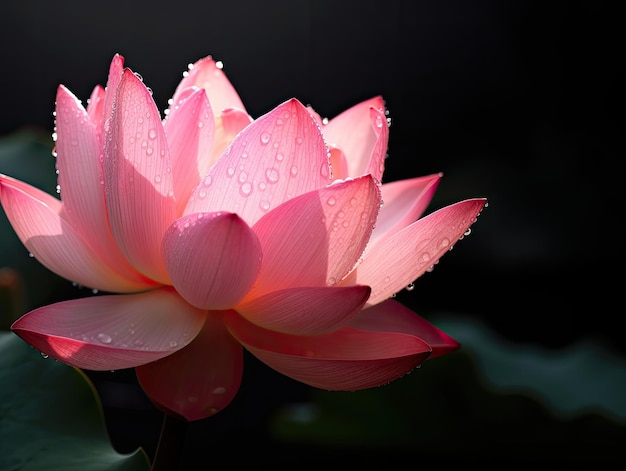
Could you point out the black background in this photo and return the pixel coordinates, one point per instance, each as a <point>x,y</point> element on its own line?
<point>516,101</point>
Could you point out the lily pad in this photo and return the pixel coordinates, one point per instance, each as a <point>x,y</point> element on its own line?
<point>51,417</point>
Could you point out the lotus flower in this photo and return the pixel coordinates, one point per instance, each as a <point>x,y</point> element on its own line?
<point>208,232</point>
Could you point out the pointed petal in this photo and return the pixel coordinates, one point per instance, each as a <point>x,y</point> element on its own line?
<point>279,156</point>
<point>116,69</point>
<point>213,259</point>
<point>190,130</point>
<point>37,219</point>
<point>95,110</point>
<point>349,359</point>
<point>112,332</point>
<point>392,316</point>
<point>404,202</point>
<point>306,311</point>
<point>362,133</point>
<point>208,74</point>
<point>396,261</point>
<point>316,238</point>
<point>81,183</point>
<point>138,178</point>
<point>201,379</point>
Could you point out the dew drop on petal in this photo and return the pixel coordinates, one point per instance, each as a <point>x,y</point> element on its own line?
<point>265,138</point>
<point>272,175</point>
<point>219,390</point>
<point>104,338</point>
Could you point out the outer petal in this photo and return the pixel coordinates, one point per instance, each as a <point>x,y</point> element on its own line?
<point>37,218</point>
<point>348,360</point>
<point>392,316</point>
<point>398,260</point>
<point>213,259</point>
<point>306,311</point>
<point>362,133</point>
<point>317,238</point>
<point>208,74</point>
<point>139,184</point>
<point>81,182</point>
<point>404,201</point>
<point>190,130</point>
<point>112,332</point>
<point>199,380</point>
<point>279,156</point>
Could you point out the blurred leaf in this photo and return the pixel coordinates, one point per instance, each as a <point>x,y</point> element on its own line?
<point>50,416</point>
<point>26,155</point>
<point>489,401</point>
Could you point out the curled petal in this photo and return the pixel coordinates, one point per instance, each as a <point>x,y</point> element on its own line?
<point>392,316</point>
<point>37,218</point>
<point>212,259</point>
<point>279,156</point>
<point>362,133</point>
<point>404,202</point>
<point>208,74</point>
<point>112,332</point>
<point>306,311</point>
<point>199,380</point>
<point>317,238</point>
<point>338,163</point>
<point>396,261</point>
<point>190,130</point>
<point>138,178</point>
<point>348,359</point>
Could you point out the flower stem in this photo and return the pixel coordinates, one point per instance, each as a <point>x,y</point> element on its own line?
<point>171,444</point>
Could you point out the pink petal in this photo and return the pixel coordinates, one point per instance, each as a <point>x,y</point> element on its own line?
<point>338,164</point>
<point>81,182</point>
<point>201,379</point>
<point>362,133</point>
<point>227,126</point>
<point>213,259</point>
<point>38,220</point>
<point>391,316</point>
<point>404,202</point>
<point>207,74</point>
<point>138,178</point>
<point>116,69</point>
<point>95,110</point>
<point>305,311</point>
<point>190,130</point>
<point>316,238</point>
<point>349,359</point>
<point>279,156</point>
<point>398,260</point>
<point>112,332</point>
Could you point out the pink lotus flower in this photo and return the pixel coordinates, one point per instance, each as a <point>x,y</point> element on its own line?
<point>220,232</point>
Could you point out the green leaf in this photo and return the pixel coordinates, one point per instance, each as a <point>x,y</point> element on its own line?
<point>51,418</point>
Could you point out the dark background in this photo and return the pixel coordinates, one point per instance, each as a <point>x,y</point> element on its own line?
<point>516,101</point>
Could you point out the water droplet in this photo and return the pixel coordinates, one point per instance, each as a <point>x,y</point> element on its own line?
<point>264,205</point>
<point>243,176</point>
<point>219,390</point>
<point>152,134</point>
<point>410,287</point>
<point>293,171</point>
<point>44,355</point>
<point>104,338</point>
<point>245,189</point>
<point>230,171</point>
<point>331,201</point>
<point>265,138</point>
<point>444,242</point>
<point>173,343</point>
<point>272,175</point>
